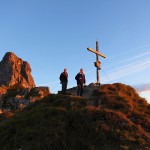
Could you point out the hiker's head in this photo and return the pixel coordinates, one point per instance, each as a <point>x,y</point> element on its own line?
<point>81,71</point>
<point>65,70</point>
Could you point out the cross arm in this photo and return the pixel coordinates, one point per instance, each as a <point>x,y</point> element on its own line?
<point>96,52</point>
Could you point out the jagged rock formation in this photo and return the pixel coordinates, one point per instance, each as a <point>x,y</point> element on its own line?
<point>14,70</point>
<point>17,87</point>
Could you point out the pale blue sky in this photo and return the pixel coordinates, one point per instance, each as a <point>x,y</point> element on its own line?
<point>54,34</point>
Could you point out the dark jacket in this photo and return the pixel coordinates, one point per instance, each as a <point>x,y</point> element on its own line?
<point>80,78</point>
<point>63,77</point>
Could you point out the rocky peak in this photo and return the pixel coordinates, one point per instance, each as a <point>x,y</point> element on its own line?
<point>9,56</point>
<point>14,70</point>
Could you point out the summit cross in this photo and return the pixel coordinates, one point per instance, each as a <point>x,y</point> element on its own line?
<point>97,63</point>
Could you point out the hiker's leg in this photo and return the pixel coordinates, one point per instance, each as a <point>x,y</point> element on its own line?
<point>63,87</point>
<point>79,89</point>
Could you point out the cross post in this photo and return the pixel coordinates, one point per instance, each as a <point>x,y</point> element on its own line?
<point>97,63</point>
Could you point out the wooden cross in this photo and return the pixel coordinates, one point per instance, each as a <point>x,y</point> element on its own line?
<point>97,63</point>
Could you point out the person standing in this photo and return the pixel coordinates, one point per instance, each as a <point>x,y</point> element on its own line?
<point>64,80</point>
<point>80,77</point>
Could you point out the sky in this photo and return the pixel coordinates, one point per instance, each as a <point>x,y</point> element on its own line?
<point>54,34</point>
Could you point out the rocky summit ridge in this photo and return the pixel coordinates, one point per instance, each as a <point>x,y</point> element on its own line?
<point>114,117</point>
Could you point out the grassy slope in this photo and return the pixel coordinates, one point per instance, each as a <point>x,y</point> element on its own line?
<point>71,123</point>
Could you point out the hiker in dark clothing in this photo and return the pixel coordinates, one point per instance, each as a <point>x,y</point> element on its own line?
<point>64,80</point>
<point>80,77</point>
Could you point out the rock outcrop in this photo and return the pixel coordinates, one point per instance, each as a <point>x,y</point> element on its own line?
<point>87,90</point>
<point>14,70</point>
<point>17,87</point>
<point>18,97</point>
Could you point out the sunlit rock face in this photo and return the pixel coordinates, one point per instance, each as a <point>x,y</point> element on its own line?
<point>14,70</point>
<point>17,87</point>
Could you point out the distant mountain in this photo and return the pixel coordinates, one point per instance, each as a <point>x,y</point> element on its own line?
<point>142,87</point>
<point>14,70</point>
<point>111,117</point>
